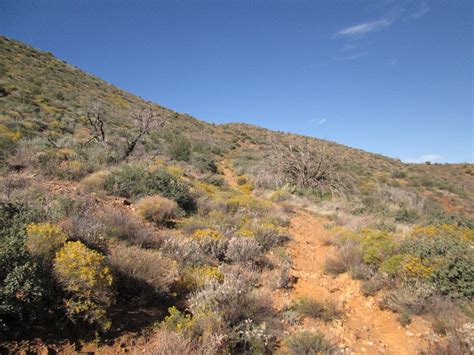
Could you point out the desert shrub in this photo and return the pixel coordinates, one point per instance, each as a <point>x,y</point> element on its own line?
<point>307,343</point>
<point>120,224</point>
<point>406,215</point>
<point>166,342</point>
<point>84,275</point>
<point>348,257</point>
<point>269,236</point>
<point>393,265</point>
<point>126,181</point>
<point>252,338</point>
<point>444,256</point>
<point>243,250</point>
<point>211,242</point>
<point>205,163</point>
<point>185,251</point>
<point>25,288</point>
<point>180,148</point>
<point>140,269</point>
<point>399,174</point>
<point>162,183</point>
<point>87,228</point>
<point>326,311</point>
<point>372,286</point>
<point>43,239</point>
<point>158,209</point>
<point>193,278</point>
<point>280,196</point>
<point>361,272</point>
<point>72,169</point>
<point>246,202</point>
<point>411,298</point>
<point>376,245</point>
<point>233,300</point>
<point>95,182</point>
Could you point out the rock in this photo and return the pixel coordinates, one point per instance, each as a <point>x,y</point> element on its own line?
<point>410,334</point>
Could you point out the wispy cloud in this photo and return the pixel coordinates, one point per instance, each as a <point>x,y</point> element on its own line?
<point>351,57</point>
<point>418,13</point>
<point>318,121</point>
<point>424,158</point>
<point>364,28</point>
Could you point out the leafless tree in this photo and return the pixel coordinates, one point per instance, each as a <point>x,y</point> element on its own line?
<point>96,121</point>
<point>144,121</point>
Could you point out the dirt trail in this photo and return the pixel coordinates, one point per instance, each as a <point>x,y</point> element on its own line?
<point>364,328</point>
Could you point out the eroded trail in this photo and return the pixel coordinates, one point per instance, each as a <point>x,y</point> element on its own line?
<point>364,328</point>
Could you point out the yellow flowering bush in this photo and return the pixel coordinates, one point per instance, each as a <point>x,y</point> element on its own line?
<point>207,233</point>
<point>43,239</point>
<point>195,277</point>
<point>444,229</point>
<point>84,274</point>
<point>248,202</point>
<point>177,321</point>
<point>415,268</point>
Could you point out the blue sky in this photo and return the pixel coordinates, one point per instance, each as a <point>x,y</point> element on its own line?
<point>391,77</point>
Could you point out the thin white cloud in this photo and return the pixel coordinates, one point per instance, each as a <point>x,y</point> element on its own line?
<point>351,57</point>
<point>424,158</point>
<point>318,122</point>
<point>422,11</point>
<point>364,28</point>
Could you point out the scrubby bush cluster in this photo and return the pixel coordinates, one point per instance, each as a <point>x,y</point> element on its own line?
<point>430,263</point>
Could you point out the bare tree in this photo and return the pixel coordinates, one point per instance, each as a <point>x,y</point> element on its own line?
<point>96,121</point>
<point>144,121</point>
<point>309,167</point>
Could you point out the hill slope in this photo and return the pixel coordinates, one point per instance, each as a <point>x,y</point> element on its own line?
<point>121,219</point>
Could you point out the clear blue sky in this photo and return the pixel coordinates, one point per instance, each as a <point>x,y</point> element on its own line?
<point>392,77</point>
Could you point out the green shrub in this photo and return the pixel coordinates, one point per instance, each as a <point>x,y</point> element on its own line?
<point>446,255</point>
<point>308,343</point>
<point>406,215</point>
<point>162,183</point>
<point>205,163</point>
<point>25,289</point>
<point>84,275</point>
<point>180,148</point>
<point>126,181</point>
<point>134,181</point>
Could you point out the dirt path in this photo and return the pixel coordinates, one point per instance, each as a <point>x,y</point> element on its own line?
<point>364,328</point>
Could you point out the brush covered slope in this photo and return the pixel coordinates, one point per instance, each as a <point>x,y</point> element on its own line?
<point>130,218</point>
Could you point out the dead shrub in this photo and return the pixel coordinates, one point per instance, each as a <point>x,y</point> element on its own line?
<point>139,267</point>
<point>122,225</point>
<point>243,250</point>
<point>185,251</point>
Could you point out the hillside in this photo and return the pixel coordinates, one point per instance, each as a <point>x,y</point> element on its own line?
<point>155,228</point>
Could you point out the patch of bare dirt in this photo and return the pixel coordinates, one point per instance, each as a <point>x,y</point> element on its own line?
<point>364,328</point>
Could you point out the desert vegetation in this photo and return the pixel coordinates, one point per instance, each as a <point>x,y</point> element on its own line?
<point>118,216</point>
